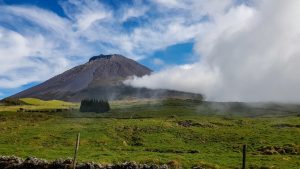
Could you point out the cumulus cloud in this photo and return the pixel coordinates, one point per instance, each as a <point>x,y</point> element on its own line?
<point>31,48</point>
<point>249,53</point>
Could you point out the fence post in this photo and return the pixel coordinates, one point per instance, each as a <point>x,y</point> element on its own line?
<point>76,150</point>
<point>244,156</point>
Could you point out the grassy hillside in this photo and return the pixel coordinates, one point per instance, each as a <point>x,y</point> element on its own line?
<point>181,133</point>
<point>37,104</point>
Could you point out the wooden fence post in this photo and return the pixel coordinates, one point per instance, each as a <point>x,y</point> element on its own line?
<point>76,150</point>
<point>244,156</point>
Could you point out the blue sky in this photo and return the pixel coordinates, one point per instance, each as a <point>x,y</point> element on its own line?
<point>171,53</point>
<point>228,50</point>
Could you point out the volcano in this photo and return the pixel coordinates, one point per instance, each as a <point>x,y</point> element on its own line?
<point>100,78</point>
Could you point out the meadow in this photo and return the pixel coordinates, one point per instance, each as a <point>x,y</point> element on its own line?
<point>181,133</point>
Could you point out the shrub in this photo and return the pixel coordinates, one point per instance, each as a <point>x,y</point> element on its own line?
<point>174,164</point>
<point>93,105</point>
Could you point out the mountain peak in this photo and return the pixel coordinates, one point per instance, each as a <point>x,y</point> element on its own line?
<point>103,56</point>
<point>101,78</point>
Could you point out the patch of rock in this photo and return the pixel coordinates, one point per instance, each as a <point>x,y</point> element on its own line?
<point>12,162</point>
<point>288,149</point>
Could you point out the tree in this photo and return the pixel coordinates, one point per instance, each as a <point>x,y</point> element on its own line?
<point>93,105</point>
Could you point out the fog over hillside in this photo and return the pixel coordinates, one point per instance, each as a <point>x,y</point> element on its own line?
<point>246,53</point>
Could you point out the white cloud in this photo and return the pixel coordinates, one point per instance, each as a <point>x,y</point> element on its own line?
<point>33,53</point>
<point>158,62</point>
<point>30,34</point>
<point>19,16</point>
<point>192,78</point>
<point>248,54</point>
<point>21,64</point>
<point>137,10</point>
<point>85,13</point>
<point>170,3</point>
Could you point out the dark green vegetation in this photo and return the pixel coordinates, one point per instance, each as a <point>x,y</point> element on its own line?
<point>93,105</point>
<point>12,102</point>
<point>178,132</point>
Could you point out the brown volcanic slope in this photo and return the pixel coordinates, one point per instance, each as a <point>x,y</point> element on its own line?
<point>100,78</point>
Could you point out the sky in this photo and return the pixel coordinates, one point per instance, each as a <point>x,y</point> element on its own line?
<point>229,50</point>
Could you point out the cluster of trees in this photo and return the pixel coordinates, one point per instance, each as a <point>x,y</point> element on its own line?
<point>94,105</point>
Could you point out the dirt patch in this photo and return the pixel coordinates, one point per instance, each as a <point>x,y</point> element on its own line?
<point>221,124</point>
<point>173,151</point>
<point>286,126</point>
<point>262,167</point>
<point>191,123</point>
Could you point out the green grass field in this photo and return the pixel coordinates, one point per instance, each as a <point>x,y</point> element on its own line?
<point>182,133</point>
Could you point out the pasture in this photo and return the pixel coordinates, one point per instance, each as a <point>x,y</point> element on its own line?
<point>182,133</point>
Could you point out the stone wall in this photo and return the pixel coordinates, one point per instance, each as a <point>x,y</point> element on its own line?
<point>12,162</point>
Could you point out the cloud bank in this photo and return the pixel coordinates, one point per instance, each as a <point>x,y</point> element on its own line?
<point>247,53</point>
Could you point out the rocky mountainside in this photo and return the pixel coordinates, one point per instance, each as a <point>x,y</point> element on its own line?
<point>101,77</point>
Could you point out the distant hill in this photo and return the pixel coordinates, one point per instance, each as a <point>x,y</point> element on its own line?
<point>102,78</point>
<point>12,102</point>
